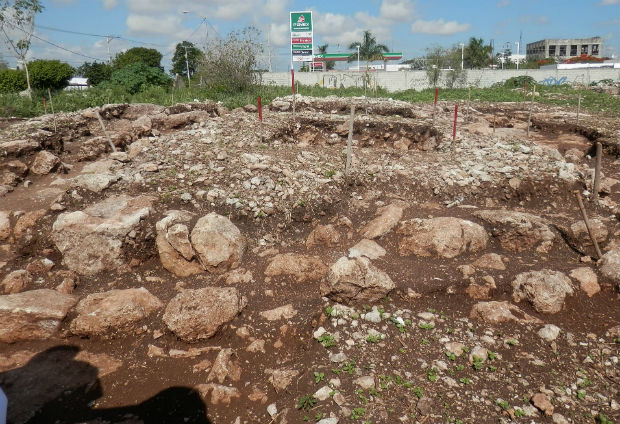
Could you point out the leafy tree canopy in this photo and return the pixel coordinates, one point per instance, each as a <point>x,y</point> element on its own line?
<point>12,81</point>
<point>138,77</point>
<point>149,57</point>
<point>95,72</point>
<point>194,57</point>
<point>52,74</point>
<point>370,50</point>
<point>329,65</point>
<point>476,53</point>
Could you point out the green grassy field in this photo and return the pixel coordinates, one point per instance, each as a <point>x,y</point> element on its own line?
<point>13,105</point>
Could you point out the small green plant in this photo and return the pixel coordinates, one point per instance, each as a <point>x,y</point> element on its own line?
<point>349,367</point>
<point>306,402</point>
<point>465,349</point>
<point>327,340</point>
<point>329,311</point>
<point>425,342</point>
<point>492,355</point>
<point>373,392</point>
<point>431,374</point>
<point>519,413</point>
<point>581,394</point>
<point>358,413</point>
<point>318,377</point>
<point>426,325</point>
<point>373,338</point>
<point>477,365</point>
<point>384,381</point>
<point>336,371</point>
<point>602,419</point>
<point>503,404</point>
<point>492,368</point>
<point>511,342</point>
<point>400,325</point>
<point>460,367</point>
<point>585,383</point>
<point>418,391</point>
<point>318,417</point>
<point>329,173</point>
<point>451,356</point>
<point>465,380</point>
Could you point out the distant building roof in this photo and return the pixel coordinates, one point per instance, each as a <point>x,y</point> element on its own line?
<point>78,81</point>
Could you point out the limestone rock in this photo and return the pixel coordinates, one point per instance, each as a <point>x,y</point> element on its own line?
<point>580,232</point>
<point>544,289</point>
<point>495,312</point>
<point>549,332</point>
<point>175,250</point>
<point>518,231</point>
<point>323,235</point>
<point>609,265</point>
<point>113,312</point>
<point>226,365</point>
<point>94,182</point>
<point>282,312</point>
<point>302,267</point>
<point>368,248</point>
<point>33,315</point>
<point>588,281</point>
<point>541,401</point>
<point>490,261</point>
<point>15,282</point>
<point>355,280</point>
<point>5,225</point>
<point>197,314</point>
<point>280,379</point>
<point>219,394</point>
<point>388,217</point>
<point>445,237</point>
<point>91,240</point>
<point>218,243</point>
<point>44,162</point>
<point>18,147</point>
<point>26,222</point>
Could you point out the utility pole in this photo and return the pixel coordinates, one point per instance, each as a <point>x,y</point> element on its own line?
<point>108,39</point>
<point>269,46</point>
<point>462,54</point>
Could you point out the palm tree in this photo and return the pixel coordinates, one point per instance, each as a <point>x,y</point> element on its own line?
<point>330,64</point>
<point>369,49</point>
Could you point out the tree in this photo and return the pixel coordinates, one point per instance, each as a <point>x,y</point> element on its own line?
<point>329,65</point>
<point>52,74</point>
<point>17,17</point>
<point>231,63</point>
<point>95,72</point>
<point>138,77</point>
<point>476,53</point>
<point>180,61</point>
<point>447,62</point>
<point>369,49</point>
<point>12,80</point>
<point>149,57</point>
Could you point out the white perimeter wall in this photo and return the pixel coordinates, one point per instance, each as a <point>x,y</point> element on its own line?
<point>417,80</point>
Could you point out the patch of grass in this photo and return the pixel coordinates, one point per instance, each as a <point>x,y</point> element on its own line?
<point>306,402</point>
<point>426,325</point>
<point>418,391</point>
<point>349,367</point>
<point>425,342</point>
<point>431,374</point>
<point>503,404</point>
<point>358,413</point>
<point>465,380</point>
<point>451,356</point>
<point>327,340</point>
<point>373,338</point>
<point>318,377</point>
<point>477,365</point>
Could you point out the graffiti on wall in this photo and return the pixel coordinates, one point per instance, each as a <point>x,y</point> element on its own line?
<point>553,81</point>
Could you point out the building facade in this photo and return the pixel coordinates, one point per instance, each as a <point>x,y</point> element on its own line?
<point>564,48</point>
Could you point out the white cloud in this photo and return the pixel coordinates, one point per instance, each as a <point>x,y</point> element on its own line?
<point>110,4</point>
<point>279,34</point>
<point>438,27</point>
<point>608,2</point>
<point>534,19</point>
<point>149,24</point>
<point>276,8</point>
<point>503,3</point>
<point>397,10</point>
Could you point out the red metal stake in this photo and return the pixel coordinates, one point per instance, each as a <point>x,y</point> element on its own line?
<point>260,111</point>
<point>436,94</point>
<point>456,113</point>
<point>293,81</point>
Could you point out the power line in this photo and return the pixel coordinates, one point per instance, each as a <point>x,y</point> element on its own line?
<point>67,31</point>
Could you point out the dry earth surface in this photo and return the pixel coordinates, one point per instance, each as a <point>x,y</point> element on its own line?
<point>213,269</point>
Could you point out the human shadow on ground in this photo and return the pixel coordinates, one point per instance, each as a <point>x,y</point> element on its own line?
<point>54,387</point>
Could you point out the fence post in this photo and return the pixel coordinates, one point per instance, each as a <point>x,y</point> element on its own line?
<point>49,92</point>
<point>597,170</point>
<point>435,104</point>
<point>529,117</point>
<point>578,108</point>
<point>456,112</point>
<point>347,166</point>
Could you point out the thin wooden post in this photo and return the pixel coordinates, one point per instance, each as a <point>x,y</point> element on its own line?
<point>578,108</point>
<point>105,132</point>
<point>467,108</point>
<point>347,167</point>
<point>260,110</point>
<point>44,106</point>
<point>435,104</point>
<point>456,113</point>
<point>529,117</point>
<point>49,92</point>
<point>587,222</point>
<point>597,170</point>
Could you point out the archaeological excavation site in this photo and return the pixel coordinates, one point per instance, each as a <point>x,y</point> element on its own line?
<point>194,264</point>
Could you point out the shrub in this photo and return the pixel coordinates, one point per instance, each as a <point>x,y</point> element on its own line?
<point>136,78</point>
<point>12,81</point>
<point>52,74</point>
<point>517,82</point>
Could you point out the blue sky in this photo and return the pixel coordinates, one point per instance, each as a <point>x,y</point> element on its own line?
<point>408,26</point>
